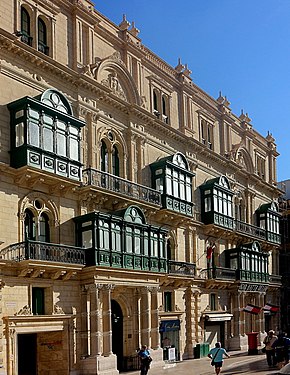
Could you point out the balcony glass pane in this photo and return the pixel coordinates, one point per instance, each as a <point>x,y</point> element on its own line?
<point>154,244</point>
<point>33,133</point>
<point>87,241</point>
<point>73,148</point>
<point>48,139</point>
<point>104,241</point>
<point>19,132</point>
<point>61,144</point>
<point>129,240</point>
<point>188,189</point>
<point>182,187</point>
<point>116,237</point>
<point>175,184</point>
<point>146,244</point>
<point>137,241</point>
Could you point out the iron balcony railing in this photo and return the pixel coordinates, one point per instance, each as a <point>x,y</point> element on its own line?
<point>275,279</point>
<point>120,186</point>
<point>252,230</point>
<point>181,268</point>
<point>242,227</point>
<point>220,273</point>
<point>43,251</point>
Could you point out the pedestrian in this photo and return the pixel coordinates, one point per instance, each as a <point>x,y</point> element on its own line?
<point>269,350</point>
<point>281,346</point>
<point>217,357</point>
<point>145,359</point>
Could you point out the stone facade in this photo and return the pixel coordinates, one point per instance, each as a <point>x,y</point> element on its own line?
<point>99,254</point>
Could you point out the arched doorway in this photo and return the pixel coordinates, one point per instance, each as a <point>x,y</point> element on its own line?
<point>117,332</point>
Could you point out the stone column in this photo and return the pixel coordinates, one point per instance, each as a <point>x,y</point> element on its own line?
<point>238,318</point>
<point>242,304</point>
<point>2,284</point>
<point>145,317</point>
<point>190,300</point>
<point>95,342</point>
<point>197,316</point>
<point>107,323</point>
<point>136,319</point>
<point>155,344</point>
<point>84,322</point>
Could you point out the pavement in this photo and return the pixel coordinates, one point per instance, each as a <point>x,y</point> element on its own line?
<point>238,363</point>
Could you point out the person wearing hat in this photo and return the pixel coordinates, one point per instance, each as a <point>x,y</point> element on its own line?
<point>269,350</point>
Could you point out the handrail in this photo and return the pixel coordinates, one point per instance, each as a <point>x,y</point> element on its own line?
<point>43,251</point>
<point>121,186</point>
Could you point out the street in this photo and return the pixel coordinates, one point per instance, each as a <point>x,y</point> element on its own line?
<point>238,363</point>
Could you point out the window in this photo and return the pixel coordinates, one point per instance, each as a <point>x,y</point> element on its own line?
<point>115,161</point>
<point>104,157</point>
<point>110,156</point>
<point>261,167</point>
<point>104,235</point>
<point>206,133</point>
<point>36,223</point>
<point>161,105</point>
<point>25,27</point>
<point>38,301</point>
<point>29,226</point>
<point>167,301</point>
<point>43,228</point>
<point>42,37</point>
<point>213,301</point>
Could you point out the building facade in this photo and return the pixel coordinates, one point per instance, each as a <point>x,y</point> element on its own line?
<point>135,208</point>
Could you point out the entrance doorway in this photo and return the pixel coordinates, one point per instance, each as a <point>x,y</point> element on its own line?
<point>27,360</point>
<point>117,333</point>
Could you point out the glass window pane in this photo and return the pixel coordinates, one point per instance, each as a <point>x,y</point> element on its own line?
<point>48,139</point>
<point>175,184</point>
<point>33,134</point>
<point>61,144</point>
<point>87,241</point>
<point>19,133</point>
<point>182,186</point>
<point>73,148</point>
<point>168,182</point>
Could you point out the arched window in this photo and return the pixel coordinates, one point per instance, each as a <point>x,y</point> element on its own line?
<point>25,27</point>
<point>111,156</point>
<point>37,221</point>
<point>115,161</point>
<point>104,157</point>
<point>42,37</point>
<point>29,226</point>
<point>164,109</point>
<point>44,228</point>
<point>155,104</point>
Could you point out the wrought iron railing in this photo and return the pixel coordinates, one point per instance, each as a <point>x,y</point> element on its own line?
<point>252,230</point>
<point>43,251</point>
<point>120,186</point>
<point>181,268</point>
<point>219,273</point>
<point>275,279</point>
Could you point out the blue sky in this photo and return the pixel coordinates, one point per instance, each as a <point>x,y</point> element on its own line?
<point>238,47</point>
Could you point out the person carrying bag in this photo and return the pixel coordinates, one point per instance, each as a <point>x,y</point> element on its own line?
<point>217,357</point>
